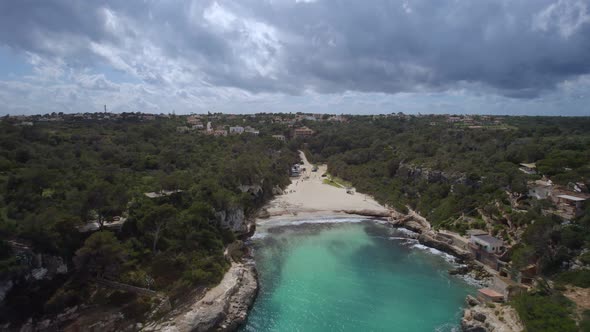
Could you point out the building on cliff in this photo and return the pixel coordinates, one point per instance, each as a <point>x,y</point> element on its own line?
<point>571,205</point>
<point>487,249</point>
<point>487,243</point>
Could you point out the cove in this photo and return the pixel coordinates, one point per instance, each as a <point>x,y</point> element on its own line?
<point>351,276</point>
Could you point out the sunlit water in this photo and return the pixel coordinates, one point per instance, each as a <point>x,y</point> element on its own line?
<point>352,277</point>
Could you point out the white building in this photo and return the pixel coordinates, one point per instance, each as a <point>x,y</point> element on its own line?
<point>251,130</point>
<point>236,130</point>
<point>488,243</point>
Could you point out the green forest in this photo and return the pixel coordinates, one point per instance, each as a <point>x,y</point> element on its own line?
<point>137,202</point>
<point>460,177</point>
<point>57,177</point>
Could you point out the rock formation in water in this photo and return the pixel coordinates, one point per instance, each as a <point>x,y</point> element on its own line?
<point>482,317</point>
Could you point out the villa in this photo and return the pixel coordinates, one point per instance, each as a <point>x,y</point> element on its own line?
<point>302,132</point>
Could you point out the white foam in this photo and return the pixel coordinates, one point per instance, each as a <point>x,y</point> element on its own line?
<point>279,223</point>
<point>444,255</point>
<point>404,239</point>
<point>468,279</point>
<point>447,327</point>
<point>407,232</point>
<point>258,235</point>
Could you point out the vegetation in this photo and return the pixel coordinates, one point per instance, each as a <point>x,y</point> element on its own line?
<point>579,278</point>
<point>457,177</point>
<point>545,313</point>
<point>461,177</point>
<point>57,177</point>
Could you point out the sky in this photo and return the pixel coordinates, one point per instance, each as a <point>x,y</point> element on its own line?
<point>516,57</point>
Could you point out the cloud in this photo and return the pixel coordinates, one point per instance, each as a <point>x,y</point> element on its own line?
<point>96,82</point>
<point>565,16</point>
<point>189,54</point>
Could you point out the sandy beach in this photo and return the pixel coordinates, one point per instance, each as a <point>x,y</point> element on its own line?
<point>308,195</point>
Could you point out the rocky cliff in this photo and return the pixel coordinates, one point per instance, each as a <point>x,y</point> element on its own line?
<point>496,317</point>
<point>223,308</point>
<point>433,176</point>
<point>233,218</point>
<point>33,267</point>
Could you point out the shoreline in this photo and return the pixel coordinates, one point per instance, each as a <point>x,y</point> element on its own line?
<point>421,236</point>
<point>225,307</point>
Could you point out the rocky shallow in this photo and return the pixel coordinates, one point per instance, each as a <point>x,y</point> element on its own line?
<point>481,317</point>
<point>477,316</point>
<point>225,307</point>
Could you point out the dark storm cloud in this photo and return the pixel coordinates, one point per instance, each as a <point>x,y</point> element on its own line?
<point>384,47</point>
<point>513,48</point>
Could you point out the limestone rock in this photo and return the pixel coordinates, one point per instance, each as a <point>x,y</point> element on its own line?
<point>471,301</point>
<point>5,287</point>
<point>223,308</point>
<point>478,316</point>
<point>276,190</point>
<point>233,219</point>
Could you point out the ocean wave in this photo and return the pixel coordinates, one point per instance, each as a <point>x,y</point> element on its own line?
<point>468,279</point>
<point>406,240</point>
<point>447,257</point>
<point>407,232</point>
<point>447,327</point>
<point>258,235</point>
<point>279,223</point>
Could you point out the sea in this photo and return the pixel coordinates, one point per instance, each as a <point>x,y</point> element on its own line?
<point>352,274</point>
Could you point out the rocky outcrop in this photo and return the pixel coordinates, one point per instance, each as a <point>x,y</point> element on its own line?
<point>223,308</point>
<point>254,189</point>
<point>369,213</point>
<point>430,240</point>
<point>482,317</point>
<point>437,176</point>
<point>232,219</point>
<point>276,190</point>
<point>32,267</point>
<point>242,300</point>
<point>5,287</point>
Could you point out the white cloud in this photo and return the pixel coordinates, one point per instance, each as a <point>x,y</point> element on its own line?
<point>219,17</point>
<point>254,42</point>
<point>278,55</point>
<point>46,69</point>
<point>95,82</point>
<point>567,16</point>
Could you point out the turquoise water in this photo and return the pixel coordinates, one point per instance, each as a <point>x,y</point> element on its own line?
<point>352,277</point>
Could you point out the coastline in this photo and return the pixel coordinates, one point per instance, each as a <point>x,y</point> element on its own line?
<point>225,307</point>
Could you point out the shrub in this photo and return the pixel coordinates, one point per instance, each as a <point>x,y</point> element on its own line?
<point>61,300</point>
<point>541,313</point>
<point>580,278</point>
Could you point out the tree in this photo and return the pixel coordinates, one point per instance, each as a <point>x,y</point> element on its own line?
<point>155,221</point>
<point>101,255</point>
<point>105,201</point>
